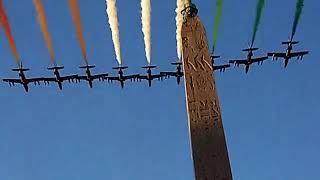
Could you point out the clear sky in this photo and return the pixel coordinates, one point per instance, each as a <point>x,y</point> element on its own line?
<point>271,116</point>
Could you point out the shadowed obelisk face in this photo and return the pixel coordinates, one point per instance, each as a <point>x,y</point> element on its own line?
<point>209,149</point>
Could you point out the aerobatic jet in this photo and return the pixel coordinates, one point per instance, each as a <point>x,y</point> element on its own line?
<point>250,59</point>
<point>90,78</point>
<point>23,80</point>
<point>178,73</point>
<point>121,77</point>
<point>149,76</point>
<point>289,54</point>
<point>221,68</point>
<point>58,78</point>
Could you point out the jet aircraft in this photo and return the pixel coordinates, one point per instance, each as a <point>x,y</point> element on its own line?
<point>58,78</point>
<point>149,76</point>
<point>178,73</point>
<point>250,59</point>
<point>121,77</point>
<point>23,80</point>
<point>90,78</point>
<point>289,54</point>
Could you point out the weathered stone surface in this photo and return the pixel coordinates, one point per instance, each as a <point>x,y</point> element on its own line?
<point>209,149</point>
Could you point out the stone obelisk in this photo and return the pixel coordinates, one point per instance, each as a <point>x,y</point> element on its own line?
<point>209,149</point>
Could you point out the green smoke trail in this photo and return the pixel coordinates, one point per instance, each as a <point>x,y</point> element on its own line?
<point>299,7</point>
<point>259,10</point>
<point>217,20</point>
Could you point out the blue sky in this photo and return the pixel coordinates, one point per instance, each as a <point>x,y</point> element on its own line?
<point>139,133</point>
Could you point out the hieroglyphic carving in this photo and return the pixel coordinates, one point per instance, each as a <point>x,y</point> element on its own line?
<point>209,149</point>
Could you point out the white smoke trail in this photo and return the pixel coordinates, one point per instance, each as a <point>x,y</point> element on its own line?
<point>179,22</point>
<point>114,26</point>
<point>146,27</point>
<point>187,2</point>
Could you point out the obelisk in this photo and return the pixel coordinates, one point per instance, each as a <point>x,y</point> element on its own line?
<point>209,149</point>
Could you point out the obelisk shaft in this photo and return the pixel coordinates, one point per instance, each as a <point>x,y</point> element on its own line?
<point>209,149</point>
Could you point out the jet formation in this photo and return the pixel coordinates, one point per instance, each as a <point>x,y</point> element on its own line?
<point>149,76</point>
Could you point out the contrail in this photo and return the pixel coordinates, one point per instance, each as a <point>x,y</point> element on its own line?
<point>114,26</point>
<point>76,19</point>
<point>259,10</point>
<point>6,26</point>
<point>44,28</point>
<point>299,7</point>
<point>146,27</point>
<point>217,21</point>
<point>179,22</point>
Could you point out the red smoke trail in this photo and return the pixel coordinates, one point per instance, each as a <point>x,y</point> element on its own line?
<point>6,26</point>
<point>44,28</point>
<point>75,12</point>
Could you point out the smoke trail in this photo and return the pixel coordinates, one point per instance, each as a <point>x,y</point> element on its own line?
<point>299,7</point>
<point>76,19</point>
<point>217,21</point>
<point>44,28</point>
<point>146,27</point>
<point>259,10</point>
<point>6,26</point>
<point>179,22</point>
<point>114,26</point>
<point>187,2</point>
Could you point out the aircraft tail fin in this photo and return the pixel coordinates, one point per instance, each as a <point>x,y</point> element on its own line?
<point>120,67</point>
<point>250,49</point>
<point>176,63</point>
<point>288,42</point>
<point>20,69</point>
<point>215,57</point>
<point>149,67</point>
<point>55,68</point>
<point>87,67</point>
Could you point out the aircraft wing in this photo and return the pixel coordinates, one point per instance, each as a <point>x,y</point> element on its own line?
<point>18,81</point>
<point>35,79</point>
<point>238,61</point>
<point>259,60</point>
<point>82,77</point>
<point>158,76</point>
<point>221,68</point>
<point>296,54</point>
<point>67,78</point>
<point>175,74</point>
<point>113,78</point>
<point>278,55</point>
<point>142,77</point>
<point>131,76</point>
<point>12,81</point>
<point>49,79</point>
<point>99,76</point>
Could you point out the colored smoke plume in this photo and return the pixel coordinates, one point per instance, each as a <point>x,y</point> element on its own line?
<point>217,22</point>
<point>179,22</point>
<point>299,7</point>
<point>114,26</point>
<point>259,10</point>
<point>75,12</point>
<point>6,26</point>
<point>187,2</point>
<point>146,27</point>
<point>44,28</point>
